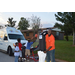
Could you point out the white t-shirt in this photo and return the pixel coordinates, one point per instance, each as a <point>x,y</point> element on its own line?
<point>16,53</point>
<point>42,56</point>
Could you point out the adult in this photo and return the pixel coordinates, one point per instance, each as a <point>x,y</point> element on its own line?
<point>50,46</point>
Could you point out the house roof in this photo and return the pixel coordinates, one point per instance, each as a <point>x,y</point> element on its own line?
<point>53,29</point>
<point>57,29</point>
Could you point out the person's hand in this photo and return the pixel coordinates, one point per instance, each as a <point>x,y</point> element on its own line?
<point>47,50</point>
<point>14,45</point>
<point>44,51</point>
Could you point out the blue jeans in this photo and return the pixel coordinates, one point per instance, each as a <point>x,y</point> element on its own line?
<point>51,56</point>
<point>16,58</point>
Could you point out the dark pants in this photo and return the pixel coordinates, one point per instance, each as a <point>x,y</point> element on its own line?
<point>51,56</point>
<point>23,52</point>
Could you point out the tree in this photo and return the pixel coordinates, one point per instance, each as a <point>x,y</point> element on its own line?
<point>11,23</point>
<point>35,22</point>
<point>68,22</point>
<point>23,24</point>
<point>67,30</point>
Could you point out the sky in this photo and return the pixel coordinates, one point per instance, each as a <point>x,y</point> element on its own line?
<point>47,18</point>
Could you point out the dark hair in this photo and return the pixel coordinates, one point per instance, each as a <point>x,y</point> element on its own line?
<point>16,43</point>
<point>18,39</point>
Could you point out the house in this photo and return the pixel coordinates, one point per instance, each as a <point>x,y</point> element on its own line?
<point>58,34</point>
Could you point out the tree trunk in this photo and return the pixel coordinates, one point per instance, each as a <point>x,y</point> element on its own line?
<point>66,37</point>
<point>73,37</point>
<point>34,31</point>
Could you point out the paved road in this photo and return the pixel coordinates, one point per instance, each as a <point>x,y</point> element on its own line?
<point>5,57</point>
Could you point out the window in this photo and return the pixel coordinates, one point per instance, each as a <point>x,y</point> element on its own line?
<point>57,33</point>
<point>5,37</point>
<point>27,34</point>
<point>16,36</point>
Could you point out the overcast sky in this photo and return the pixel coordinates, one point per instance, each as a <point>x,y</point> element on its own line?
<point>47,18</point>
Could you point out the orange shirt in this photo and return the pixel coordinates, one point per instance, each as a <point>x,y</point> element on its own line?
<point>50,41</point>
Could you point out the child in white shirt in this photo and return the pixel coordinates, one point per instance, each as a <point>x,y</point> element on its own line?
<point>16,52</point>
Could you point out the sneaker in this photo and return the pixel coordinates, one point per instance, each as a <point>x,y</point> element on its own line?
<point>22,59</point>
<point>19,60</point>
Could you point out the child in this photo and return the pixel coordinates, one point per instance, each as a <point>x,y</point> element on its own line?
<point>27,52</point>
<point>20,46</point>
<point>16,52</point>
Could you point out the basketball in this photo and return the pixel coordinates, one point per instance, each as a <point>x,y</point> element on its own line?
<point>36,35</point>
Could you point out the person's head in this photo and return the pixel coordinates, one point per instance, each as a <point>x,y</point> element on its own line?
<point>41,30</point>
<point>49,32</point>
<point>16,43</point>
<point>29,40</point>
<point>19,40</point>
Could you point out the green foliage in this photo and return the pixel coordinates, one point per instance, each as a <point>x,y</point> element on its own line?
<point>23,24</point>
<point>11,23</point>
<point>67,20</point>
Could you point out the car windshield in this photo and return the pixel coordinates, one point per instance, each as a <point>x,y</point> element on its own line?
<point>16,36</point>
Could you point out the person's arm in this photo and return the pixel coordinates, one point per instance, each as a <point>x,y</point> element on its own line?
<point>16,51</point>
<point>49,48</point>
<point>33,39</point>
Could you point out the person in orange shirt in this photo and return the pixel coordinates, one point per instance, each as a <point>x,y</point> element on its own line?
<point>50,46</point>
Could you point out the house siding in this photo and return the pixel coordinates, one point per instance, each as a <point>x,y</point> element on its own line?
<point>60,37</point>
<point>30,35</point>
<point>58,34</point>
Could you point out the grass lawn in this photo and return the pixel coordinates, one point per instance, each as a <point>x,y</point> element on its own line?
<point>64,50</point>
